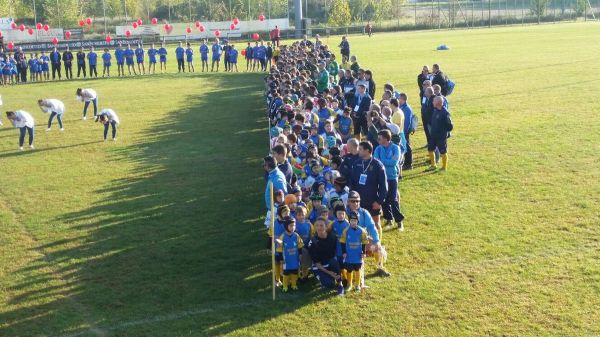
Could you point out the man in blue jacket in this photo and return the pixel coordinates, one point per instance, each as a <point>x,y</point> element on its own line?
<point>360,107</point>
<point>68,61</point>
<point>441,125</point>
<point>179,54</point>
<point>275,178</point>
<point>55,62</point>
<point>409,129</point>
<point>369,180</point>
<point>390,155</point>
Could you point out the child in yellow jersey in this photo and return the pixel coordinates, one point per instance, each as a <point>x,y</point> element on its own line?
<point>354,240</point>
<point>289,246</point>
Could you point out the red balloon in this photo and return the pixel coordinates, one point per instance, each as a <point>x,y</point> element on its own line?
<point>217,33</point>
<point>13,25</point>
<point>30,31</point>
<point>134,24</point>
<point>201,28</point>
<point>168,28</point>
<point>38,26</point>
<point>11,45</point>
<point>232,26</point>
<point>198,24</point>
<point>140,22</point>
<point>154,21</point>
<point>88,21</point>
<point>128,33</point>
<point>46,28</point>
<point>108,38</point>
<point>261,17</point>
<point>68,34</point>
<point>22,27</point>
<point>243,52</point>
<point>255,36</point>
<point>81,23</point>
<point>236,21</point>
<point>54,41</point>
<point>188,30</point>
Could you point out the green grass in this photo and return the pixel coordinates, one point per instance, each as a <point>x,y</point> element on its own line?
<point>160,234</point>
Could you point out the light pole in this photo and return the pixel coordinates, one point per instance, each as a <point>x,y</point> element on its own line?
<point>104,11</point>
<point>58,13</point>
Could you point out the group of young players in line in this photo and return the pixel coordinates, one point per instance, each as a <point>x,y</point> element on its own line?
<point>130,60</point>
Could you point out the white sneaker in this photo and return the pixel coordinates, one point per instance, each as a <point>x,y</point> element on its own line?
<point>48,129</point>
<point>114,139</point>
<point>21,148</point>
<point>62,129</point>
<point>31,146</point>
<point>84,118</point>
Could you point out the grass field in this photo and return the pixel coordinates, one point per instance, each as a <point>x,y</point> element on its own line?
<point>160,233</point>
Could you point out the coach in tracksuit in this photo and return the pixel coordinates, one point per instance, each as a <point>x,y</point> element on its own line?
<point>369,180</point>
<point>390,156</point>
<point>441,125</point>
<point>55,62</point>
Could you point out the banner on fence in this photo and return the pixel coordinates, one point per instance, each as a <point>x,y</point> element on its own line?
<point>75,45</point>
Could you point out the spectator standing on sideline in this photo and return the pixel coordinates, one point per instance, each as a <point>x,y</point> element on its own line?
<point>81,63</point>
<point>92,62</point>
<point>55,61</point>
<point>345,47</point>
<point>179,55</point>
<point>421,78</point>
<point>68,62</point>
<point>440,79</point>
<point>441,125</point>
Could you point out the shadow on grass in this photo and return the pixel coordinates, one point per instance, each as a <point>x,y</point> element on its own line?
<point>178,245</point>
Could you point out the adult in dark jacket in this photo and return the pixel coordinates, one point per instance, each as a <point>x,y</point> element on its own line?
<point>369,180</point>
<point>81,63</point>
<point>55,62</point>
<point>439,78</point>
<point>349,159</point>
<point>322,250</point>
<point>347,85</point>
<point>369,78</point>
<point>422,77</point>
<point>345,47</point>
<point>361,105</point>
<point>441,125</point>
<point>68,61</point>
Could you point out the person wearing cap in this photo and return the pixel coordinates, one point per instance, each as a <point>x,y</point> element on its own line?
<point>289,246</point>
<point>322,249</point>
<point>366,221</point>
<point>275,177</point>
<point>353,242</point>
<point>369,180</point>
<point>23,121</point>
<point>389,154</point>
<point>55,108</point>
<point>361,105</point>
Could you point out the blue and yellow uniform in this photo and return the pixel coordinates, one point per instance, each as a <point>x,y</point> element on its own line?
<point>353,242</point>
<point>345,126</point>
<point>290,248</point>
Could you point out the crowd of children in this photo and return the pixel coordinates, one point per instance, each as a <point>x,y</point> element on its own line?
<point>336,157</point>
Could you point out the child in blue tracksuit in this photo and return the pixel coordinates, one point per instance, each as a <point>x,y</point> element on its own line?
<point>179,54</point>
<point>233,56</point>
<point>162,52</point>
<point>33,67</point>
<point>92,61</point>
<point>120,56</point>
<point>217,50</point>
<point>152,52</point>
<point>290,245</point>
<point>354,241</point>
<point>204,54</point>
<point>249,57</point>
<point>337,227</point>
<point>106,62</point>
<point>129,54</point>
<point>189,55</point>
<point>139,57</point>
<point>45,67</point>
